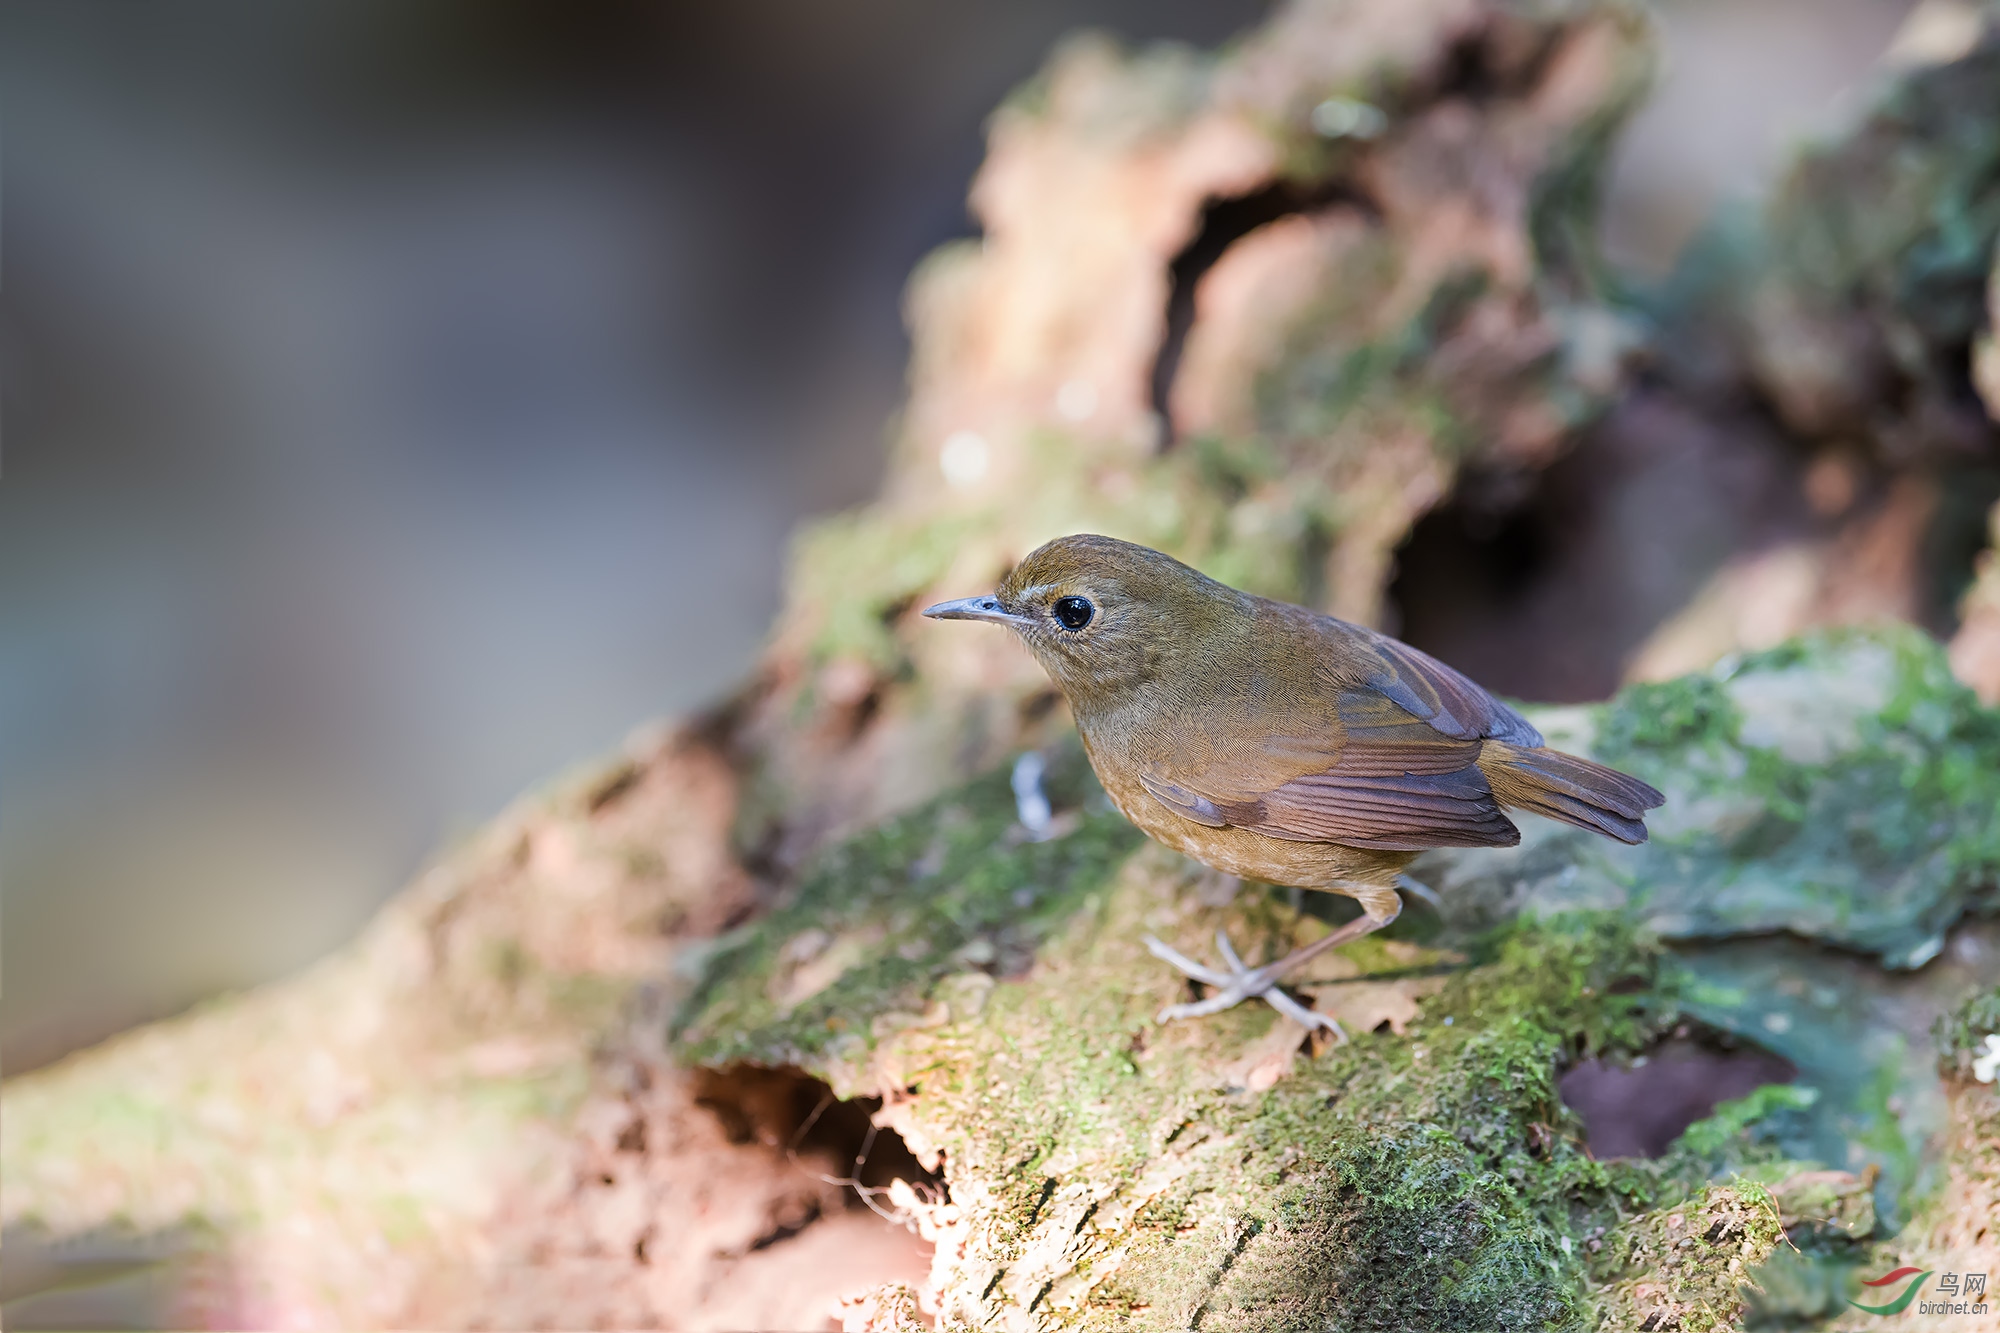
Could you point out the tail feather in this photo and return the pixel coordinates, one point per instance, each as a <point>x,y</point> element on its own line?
<point>1564,787</point>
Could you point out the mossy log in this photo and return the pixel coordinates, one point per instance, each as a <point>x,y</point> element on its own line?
<point>1105,1170</point>
<point>1260,308</point>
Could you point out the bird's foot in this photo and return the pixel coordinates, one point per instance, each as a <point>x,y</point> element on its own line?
<point>1238,984</point>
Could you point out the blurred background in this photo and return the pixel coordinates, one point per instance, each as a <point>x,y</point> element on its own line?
<point>402,402</point>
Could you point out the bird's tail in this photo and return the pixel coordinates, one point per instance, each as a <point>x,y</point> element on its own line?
<point>1562,786</point>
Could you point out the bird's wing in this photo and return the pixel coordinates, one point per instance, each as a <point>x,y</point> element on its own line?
<point>1427,689</point>
<point>1399,772</point>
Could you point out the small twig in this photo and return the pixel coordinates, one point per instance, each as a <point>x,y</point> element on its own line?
<point>1031,804</point>
<point>866,1193</point>
<point>799,1137</point>
<point>867,1146</point>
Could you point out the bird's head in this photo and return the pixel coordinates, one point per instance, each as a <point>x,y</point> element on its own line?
<point>1105,617</point>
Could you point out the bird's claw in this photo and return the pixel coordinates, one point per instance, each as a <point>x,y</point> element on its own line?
<point>1238,984</point>
<point>1173,957</point>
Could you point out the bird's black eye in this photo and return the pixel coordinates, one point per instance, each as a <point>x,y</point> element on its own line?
<point>1073,612</point>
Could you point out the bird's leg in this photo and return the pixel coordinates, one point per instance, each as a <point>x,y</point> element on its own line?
<point>1379,907</point>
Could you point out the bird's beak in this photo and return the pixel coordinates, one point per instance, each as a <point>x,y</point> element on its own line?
<point>976,608</point>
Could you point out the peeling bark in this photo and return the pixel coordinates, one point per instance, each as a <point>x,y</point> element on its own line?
<point>559,1081</point>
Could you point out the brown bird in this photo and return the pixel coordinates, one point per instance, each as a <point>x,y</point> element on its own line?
<point>1275,743</point>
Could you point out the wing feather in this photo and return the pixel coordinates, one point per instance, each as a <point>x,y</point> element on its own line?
<point>1452,704</point>
<point>1396,769</point>
<point>1442,810</point>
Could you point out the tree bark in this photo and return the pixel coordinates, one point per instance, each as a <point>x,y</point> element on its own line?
<point>612,1062</point>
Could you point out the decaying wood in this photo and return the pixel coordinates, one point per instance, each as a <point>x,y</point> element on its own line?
<point>1264,309</point>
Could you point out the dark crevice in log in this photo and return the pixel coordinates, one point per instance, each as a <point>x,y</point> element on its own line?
<point>1640,1107</point>
<point>1225,221</point>
<point>1541,584</point>
<point>790,1110</point>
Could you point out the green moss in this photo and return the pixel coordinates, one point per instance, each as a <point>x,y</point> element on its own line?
<point>1826,1212</point>
<point>1962,1035</point>
<point>1721,1132</point>
<point>1841,787</point>
<point>1686,1267</point>
<point>952,886</point>
<point>1953,774</point>
<point>1668,717</point>
<point>1433,1179</point>
<point>858,573</point>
